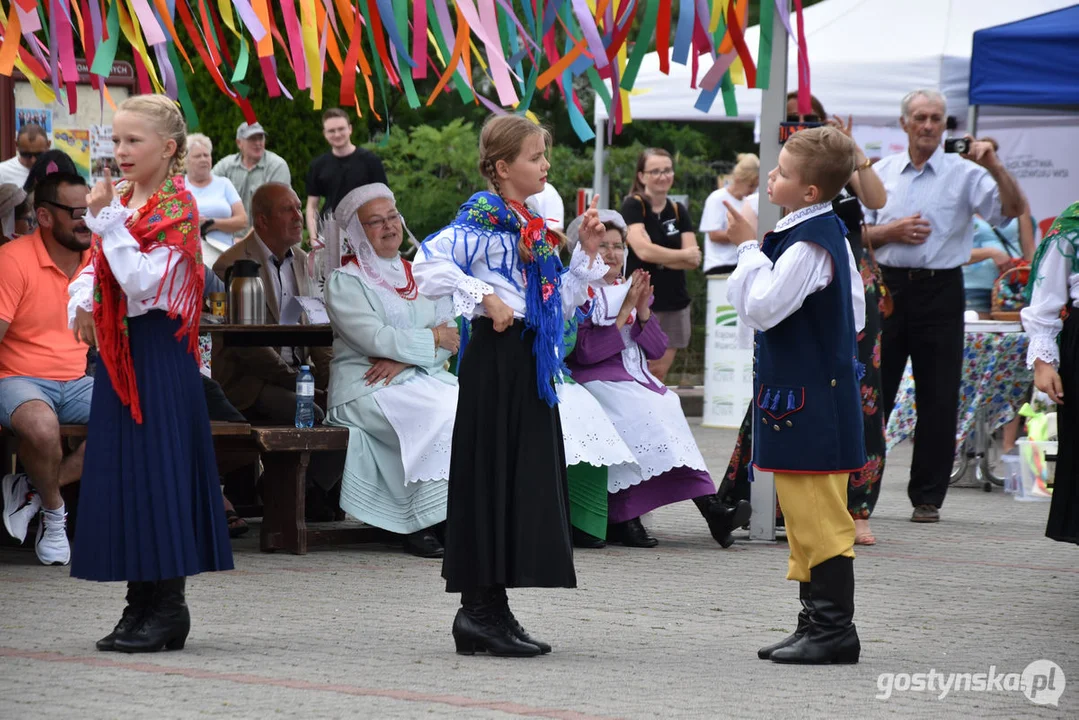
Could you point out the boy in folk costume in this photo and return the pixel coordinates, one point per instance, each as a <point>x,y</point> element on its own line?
<point>801,292</point>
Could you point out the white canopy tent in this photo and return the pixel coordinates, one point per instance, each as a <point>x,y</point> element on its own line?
<point>864,56</point>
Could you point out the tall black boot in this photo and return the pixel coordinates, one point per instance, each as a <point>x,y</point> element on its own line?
<point>140,596</point>
<point>831,637</point>
<point>765,653</point>
<point>165,626</point>
<point>515,627</point>
<point>481,627</point>
<point>722,519</point>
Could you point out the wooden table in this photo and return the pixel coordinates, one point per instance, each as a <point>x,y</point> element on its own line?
<point>271,335</point>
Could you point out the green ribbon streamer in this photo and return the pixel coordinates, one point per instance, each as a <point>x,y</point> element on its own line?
<point>640,48</point>
<point>601,90</point>
<point>106,51</point>
<point>726,85</point>
<point>460,85</point>
<point>764,51</point>
<point>190,114</point>
<point>400,11</point>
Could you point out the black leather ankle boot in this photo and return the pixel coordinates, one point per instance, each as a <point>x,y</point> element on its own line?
<point>723,519</point>
<point>140,595</point>
<point>166,625</point>
<point>831,636</point>
<point>765,653</point>
<point>480,626</point>
<point>515,627</point>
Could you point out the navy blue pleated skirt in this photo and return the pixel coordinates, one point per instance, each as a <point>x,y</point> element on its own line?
<point>150,505</point>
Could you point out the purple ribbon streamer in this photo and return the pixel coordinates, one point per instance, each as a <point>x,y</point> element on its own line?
<point>167,73</point>
<point>250,19</point>
<point>591,32</point>
<point>715,73</point>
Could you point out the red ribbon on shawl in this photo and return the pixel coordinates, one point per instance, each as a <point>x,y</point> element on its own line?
<point>169,219</point>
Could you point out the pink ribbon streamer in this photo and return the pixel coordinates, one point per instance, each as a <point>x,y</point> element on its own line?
<point>419,39</point>
<point>295,42</point>
<point>484,23</point>
<point>150,28</point>
<point>715,73</point>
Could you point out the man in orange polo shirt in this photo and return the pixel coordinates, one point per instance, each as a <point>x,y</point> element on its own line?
<point>43,381</point>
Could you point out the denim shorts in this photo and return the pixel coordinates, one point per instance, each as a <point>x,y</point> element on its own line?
<point>69,400</point>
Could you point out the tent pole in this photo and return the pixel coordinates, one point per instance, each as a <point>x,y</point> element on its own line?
<point>599,187</point>
<point>972,120</point>
<point>762,524</point>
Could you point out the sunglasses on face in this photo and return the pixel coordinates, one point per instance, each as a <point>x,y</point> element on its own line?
<point>803,118</point>
<point>77,213</point>
<point>27,155</point>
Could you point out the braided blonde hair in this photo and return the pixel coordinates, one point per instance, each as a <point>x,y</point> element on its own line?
<point>165,115</point>
<point>502,138</point>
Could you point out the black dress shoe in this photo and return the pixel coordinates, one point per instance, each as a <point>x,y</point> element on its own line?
<point>423,544</point>
<point>481,626</point>
<point>631,533</point>
<point>722,519</point>
<point>581,539</point>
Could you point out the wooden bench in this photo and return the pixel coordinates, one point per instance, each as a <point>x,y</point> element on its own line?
<point>284,489</point>
<point>284,483</point>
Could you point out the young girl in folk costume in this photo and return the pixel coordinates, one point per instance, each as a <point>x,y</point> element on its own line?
<point>150,509</point>
<point>614,346</point>
<point>508,520</point>
<point>1054,355</point>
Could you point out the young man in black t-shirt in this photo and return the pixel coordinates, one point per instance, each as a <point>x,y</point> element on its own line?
<point>340,171</point>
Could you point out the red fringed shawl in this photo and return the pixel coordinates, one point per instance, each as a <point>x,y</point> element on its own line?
<point>170,219</point>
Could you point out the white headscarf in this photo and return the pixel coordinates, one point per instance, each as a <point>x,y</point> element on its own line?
<point>11,196</point>
<point>344,234</point>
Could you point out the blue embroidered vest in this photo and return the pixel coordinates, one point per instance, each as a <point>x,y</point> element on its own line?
<point>807,409</point>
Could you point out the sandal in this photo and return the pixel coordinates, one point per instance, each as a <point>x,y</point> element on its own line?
<point>238,527</point>
<point>863,538</point>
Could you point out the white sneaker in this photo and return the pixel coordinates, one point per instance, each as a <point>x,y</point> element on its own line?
<point>21,504</point>
<point>52,546</point>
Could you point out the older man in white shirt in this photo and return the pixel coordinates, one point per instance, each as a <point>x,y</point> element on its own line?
<point>924,235</point>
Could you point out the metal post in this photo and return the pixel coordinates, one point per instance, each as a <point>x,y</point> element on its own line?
<point>972,120</point>
<point>599,183</point>
<point>762,524</point>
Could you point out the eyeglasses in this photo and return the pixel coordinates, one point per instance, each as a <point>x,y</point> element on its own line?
<point>665,172</point>
<point>380,222</point>
<point>27,155</point>
<point>607,247</point>
<point>803,118</point>
<point>77,213</point>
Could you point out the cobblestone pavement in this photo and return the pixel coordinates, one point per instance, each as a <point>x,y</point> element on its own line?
<point>672,632</point>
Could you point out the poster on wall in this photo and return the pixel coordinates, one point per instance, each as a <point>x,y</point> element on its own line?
<point>728,369</point>
<point>101,153</point>
<point>76,143</point>
<point>37,116</point>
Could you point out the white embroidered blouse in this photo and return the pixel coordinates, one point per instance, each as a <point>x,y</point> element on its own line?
<point>1055,287</point>
<point>438,273</point>
<point>138,273</point>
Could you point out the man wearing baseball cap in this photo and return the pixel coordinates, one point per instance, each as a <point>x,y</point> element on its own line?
<point>252,167</point>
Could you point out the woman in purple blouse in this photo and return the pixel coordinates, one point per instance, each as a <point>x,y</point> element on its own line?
<point>610,360</point>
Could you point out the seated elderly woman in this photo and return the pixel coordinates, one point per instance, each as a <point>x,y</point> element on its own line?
<point>614,346</point>
<point>221,211</point>
<point>388,383</point>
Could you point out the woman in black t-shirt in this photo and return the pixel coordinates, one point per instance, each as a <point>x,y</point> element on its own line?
<point>661,240</point>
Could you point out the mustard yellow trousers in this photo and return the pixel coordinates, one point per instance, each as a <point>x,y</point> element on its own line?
<point>819,526</point>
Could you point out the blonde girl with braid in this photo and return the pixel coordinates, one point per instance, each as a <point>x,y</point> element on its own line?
<point>150,510</point>
<point>508,523</point>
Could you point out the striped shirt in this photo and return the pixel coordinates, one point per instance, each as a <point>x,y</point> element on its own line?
<point>948,191</point>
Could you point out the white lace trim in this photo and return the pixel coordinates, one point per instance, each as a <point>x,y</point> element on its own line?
<point>111,217</point>
<point>633,360</point>
<point>1043,347</point>
<point>580,276</point>
<point>469,293</point>
<point>587,433</point>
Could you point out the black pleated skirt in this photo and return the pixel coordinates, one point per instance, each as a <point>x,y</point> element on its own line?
<point>150,504</point>
<point>508,518</point>
<point>1064,510</point>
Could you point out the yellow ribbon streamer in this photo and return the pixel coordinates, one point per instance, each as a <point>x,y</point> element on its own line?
<point>310,38</point>
<point>129,25</point>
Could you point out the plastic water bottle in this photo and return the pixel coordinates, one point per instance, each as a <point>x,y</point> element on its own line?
<point>305,398</point>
